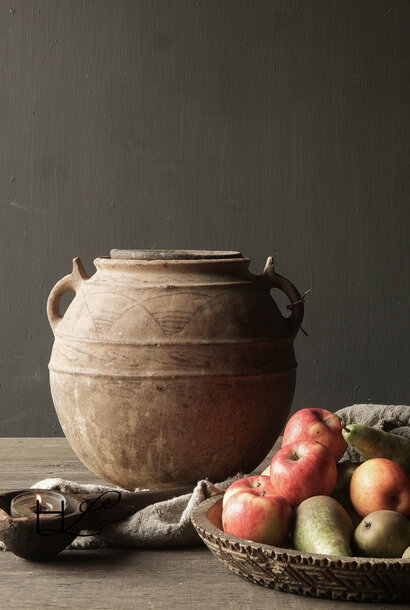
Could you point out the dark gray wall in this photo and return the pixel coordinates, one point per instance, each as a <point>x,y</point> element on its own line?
<point>272,127</point>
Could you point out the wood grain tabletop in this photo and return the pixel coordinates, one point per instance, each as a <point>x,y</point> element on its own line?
<point>121,578</point>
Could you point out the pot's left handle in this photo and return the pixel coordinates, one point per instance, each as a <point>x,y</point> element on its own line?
<point>68,282</point>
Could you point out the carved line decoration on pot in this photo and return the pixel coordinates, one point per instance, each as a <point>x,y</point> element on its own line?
<point>172,366</point>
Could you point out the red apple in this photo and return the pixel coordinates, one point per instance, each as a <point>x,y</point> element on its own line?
<point>303,469</point>
<point>257,516</point>
<point>380,484</point>
<point>252,482</point>
<point>316,425</point>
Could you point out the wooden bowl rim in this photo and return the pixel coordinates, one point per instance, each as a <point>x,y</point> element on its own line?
<point>202,523</point>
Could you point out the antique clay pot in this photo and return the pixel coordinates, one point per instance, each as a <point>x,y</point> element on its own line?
<point>172,366</point>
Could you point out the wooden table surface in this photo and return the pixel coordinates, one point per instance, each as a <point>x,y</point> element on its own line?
<point>121,578</point>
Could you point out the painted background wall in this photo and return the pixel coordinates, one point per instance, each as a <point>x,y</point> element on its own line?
<point>271,127</point>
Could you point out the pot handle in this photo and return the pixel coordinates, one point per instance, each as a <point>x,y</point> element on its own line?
<point>68,282</point>
<point>274,280</point>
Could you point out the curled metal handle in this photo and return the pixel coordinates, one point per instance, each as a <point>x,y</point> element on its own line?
<point>274,280</point>
<point>68,282</point>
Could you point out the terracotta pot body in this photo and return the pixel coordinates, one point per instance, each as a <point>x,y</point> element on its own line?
<point>169,369</point>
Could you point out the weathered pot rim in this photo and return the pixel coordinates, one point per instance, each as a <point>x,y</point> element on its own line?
<point>219,265</point>
<point>155,255</point>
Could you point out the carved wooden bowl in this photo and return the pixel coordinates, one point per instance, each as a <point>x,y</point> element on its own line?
<point>284,569</point>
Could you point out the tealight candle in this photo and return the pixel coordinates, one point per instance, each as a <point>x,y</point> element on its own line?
<point>29,503</point>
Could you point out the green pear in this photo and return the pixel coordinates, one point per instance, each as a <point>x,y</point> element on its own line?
<point>372,443</point>
<point>382,533</point>
<point>322,526</point>
<point>341,492</point>
<point>345,471</point>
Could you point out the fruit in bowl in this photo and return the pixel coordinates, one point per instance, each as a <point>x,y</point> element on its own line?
<point>305,492</point>
<point>316,425</point>
<point>303,469</point>
<point>260,482</point>
<point>380,484</point>
<point>345,472</point>
<point>372,443</point>
<point>322,526</point>
<point>257,515</point>
<point>382,533</point>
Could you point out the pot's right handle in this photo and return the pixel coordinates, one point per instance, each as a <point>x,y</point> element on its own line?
<point>274,280</point>
<point>68,282</point>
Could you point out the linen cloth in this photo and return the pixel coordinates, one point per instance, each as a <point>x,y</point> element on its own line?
<point>163,524</point>
<point>168,523</point>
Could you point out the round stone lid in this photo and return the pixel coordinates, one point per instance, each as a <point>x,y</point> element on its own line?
<point>151,255</point>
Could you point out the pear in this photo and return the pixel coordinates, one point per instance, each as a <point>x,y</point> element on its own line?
<point>382,533</point>
<point>345,471</point>
<point>322,526</point>
<point>372,443</point>
<point>341,492</point>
